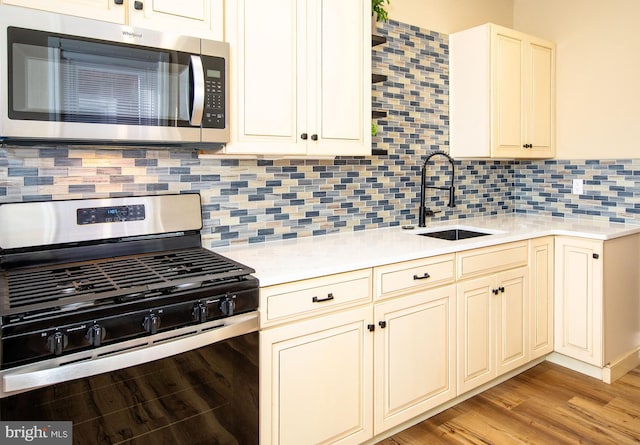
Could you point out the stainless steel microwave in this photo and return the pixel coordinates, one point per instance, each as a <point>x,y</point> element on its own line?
<point>74,80</point>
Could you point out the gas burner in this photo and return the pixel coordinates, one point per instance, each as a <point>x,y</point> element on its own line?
<point>192,285</point>
<point>74,286</point>
<point>184,269</point>
<point>75,306</point>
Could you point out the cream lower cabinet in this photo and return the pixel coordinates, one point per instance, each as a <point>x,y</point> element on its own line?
<point>541,272</point>
<point>492,313</point>
<point>316,360</point>
<point>414,351</point>
<point>317,386</point>
<point>414,354</point>
<point>579,299</point>
<point>597,300</point>
<point>492,327</point>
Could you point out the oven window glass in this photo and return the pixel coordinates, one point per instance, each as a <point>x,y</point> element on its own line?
<point>71,79</point>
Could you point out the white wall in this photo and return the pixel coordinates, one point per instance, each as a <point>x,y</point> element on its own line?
<point>447,16</point>
<point>598,78</point>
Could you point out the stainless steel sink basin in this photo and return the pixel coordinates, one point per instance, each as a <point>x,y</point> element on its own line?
<point>454,234</point>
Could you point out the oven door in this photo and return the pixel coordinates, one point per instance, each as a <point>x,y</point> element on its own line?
<point>206,394</point>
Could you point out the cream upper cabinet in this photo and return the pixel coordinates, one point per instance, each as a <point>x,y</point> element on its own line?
<point>502,94</point>
<point>301,75</point>
<point>105,10</point>
<point>541,296</point>
<point>415,360</point>
<point>201,18</point>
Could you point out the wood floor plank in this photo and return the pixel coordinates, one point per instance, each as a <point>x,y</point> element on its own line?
<point>620,427</point>
<point>547,404</point>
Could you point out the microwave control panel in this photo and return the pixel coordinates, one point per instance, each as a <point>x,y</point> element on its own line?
<point>214,97</point>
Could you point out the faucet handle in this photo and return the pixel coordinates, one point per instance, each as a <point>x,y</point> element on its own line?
<point>429,212</point>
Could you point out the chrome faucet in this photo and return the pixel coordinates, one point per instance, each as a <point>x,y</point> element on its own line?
<point>451,188</point>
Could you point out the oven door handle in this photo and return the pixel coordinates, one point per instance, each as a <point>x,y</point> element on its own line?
<point>27,378</point>
<point>197,90</point>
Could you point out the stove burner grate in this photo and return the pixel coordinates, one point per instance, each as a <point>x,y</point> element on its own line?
<point>114,279</point>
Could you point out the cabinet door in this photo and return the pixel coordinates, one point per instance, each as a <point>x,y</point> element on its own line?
<point>512,303</point>
<point>540,297</point>
<point>105,10</point>
<point>508,94</point>
<point>338,77</point>
<point>302,77</point>
<point>201,18</point>
<point>540,99</point>
<point>578,299</point>
<point>476,333</point>
<point>316,380</point>
<point>268,48</point>
<point>414,355</point>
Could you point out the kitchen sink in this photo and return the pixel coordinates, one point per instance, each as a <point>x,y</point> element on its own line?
<point>454,234</point>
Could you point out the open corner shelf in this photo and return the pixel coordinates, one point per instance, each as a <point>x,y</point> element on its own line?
<point>377,40</point>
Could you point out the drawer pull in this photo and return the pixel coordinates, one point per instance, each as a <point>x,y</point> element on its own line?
<point>423,277</point>
<point>322,300</point>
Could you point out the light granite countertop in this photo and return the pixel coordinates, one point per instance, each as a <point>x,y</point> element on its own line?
<point>283,261</point>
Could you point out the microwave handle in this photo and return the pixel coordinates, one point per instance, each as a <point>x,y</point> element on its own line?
<point>197,94</point>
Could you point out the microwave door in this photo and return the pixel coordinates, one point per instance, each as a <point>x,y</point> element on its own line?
<point>106,84</point>
<point>67,87</point>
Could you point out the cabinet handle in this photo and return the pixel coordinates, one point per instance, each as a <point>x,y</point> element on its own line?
<point>596,256</point>
<point>423,277</point>
<point>304,136</point>
<point>501,289</point>
<point>314,137</point>
<point>137,5</point>
<point>371,327</point>
<point>528,145</point>
<point>495,291</point>
<point>322,300</point>
<point>118,2</point>
<point>382,324</point>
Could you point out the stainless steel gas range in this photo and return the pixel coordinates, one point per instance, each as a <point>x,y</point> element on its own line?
<point>97,292</point>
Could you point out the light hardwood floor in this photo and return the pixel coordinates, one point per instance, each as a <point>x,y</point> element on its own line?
<point>547,404</point>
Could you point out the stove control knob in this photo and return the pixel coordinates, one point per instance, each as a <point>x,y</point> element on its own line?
<point>95,335</point>
<point>200,312</point>
<point>151,323</point>
<point>56,343</point>
<point>228,305</point>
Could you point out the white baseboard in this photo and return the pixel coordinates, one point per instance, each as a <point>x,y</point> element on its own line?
<point>613,371</point>
<point>575,365</point>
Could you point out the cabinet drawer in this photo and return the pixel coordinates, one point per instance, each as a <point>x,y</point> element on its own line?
<point>491,259</point>
<point>299,299</point>
<point>417,274</point>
